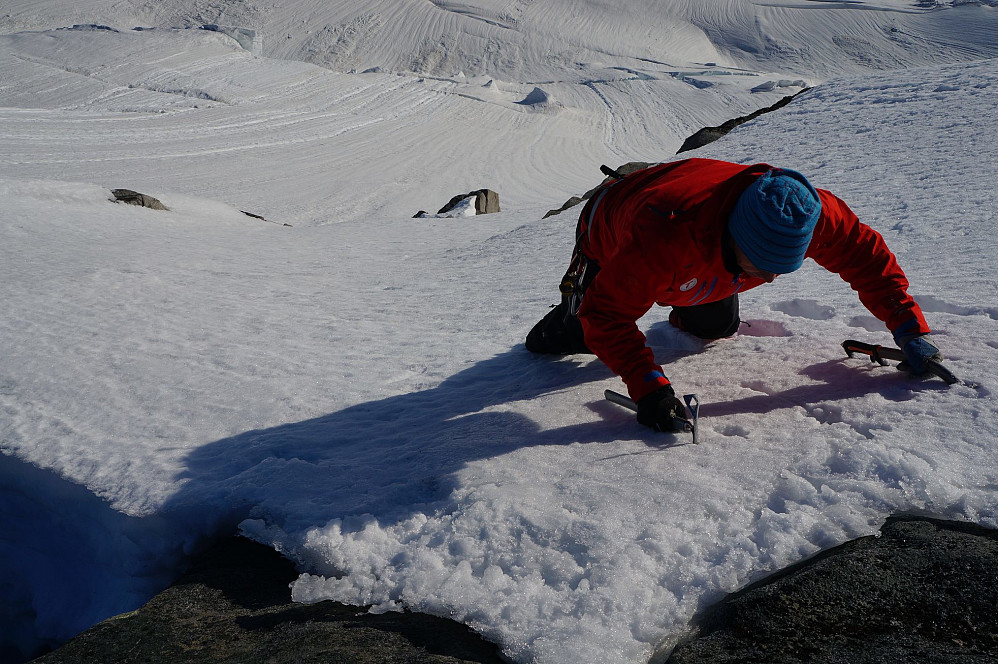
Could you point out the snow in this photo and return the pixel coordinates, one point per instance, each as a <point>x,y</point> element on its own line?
<point>352,389</point>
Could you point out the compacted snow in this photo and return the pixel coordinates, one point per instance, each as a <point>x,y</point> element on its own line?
<point>348,384</point>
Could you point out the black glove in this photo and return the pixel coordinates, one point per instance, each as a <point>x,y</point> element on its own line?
<point>919,349</point>
<point>661,410</point>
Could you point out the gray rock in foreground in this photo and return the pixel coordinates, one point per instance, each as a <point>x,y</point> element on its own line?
<point>234,606</point>
<point>925,591</point>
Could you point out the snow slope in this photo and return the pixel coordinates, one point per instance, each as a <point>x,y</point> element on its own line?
<point>354,390</point>
<point>525,40</point>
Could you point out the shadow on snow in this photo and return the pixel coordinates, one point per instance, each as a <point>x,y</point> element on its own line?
<point>71,560</point>
<point>391,456</point>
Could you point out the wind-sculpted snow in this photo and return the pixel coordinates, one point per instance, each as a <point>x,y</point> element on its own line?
<point>528,41</point>
<point>354,390</point>
<point>168,105</point>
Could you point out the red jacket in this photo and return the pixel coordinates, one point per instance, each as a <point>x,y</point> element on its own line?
<point>658,233</point>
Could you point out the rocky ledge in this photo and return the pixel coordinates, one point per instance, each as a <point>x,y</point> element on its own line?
<point>234,606</point>
<point>923,591</point>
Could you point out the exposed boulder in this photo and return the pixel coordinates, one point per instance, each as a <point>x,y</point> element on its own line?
<point>234,607</point>
<point>135,198</point>
<point>486,202</point>
<point>924,591</point>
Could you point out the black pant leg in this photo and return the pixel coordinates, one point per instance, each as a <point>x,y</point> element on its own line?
<point>714,320</point>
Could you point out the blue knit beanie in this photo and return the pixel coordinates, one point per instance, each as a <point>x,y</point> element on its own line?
<point>774,218</point>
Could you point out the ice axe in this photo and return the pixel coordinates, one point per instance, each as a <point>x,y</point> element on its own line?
<point>881,354</point>
<point>680,423</point>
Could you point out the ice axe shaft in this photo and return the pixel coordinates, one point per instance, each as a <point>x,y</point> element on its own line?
<point>620,400</point>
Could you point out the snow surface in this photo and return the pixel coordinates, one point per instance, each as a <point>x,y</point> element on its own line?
<point>353,389</point>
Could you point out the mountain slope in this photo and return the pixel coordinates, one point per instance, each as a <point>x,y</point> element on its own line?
<point>353,390</point>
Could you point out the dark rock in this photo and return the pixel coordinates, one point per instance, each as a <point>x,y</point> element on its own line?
<point>699,139</point>
<point>571,202</point>
<point>626,169</point>
<point>90,27</point>
<point>234,606</point>
<point>135,198</point>
<point>711,134</point>
<point>486,202</point>
<point>262,218</point>
<point>707,135</point>
<point>924,591</point>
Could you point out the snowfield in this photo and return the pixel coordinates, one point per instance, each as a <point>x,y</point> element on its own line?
<point>352,388</point>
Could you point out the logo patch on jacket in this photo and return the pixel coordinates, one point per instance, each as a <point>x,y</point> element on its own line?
<point>688,285</point>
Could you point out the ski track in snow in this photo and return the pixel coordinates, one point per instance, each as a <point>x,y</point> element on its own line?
<point>354,390</point>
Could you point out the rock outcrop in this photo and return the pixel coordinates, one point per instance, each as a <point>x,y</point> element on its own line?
<point>699,139</point>
<point>234,606</point>
<point>924,591</point>
<point>486,202</point>
<point>135,198</point>
<point>625,169</point>
<point>711,134</point>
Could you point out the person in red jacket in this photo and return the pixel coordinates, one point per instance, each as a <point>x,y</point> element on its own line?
<point>693,234</point>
